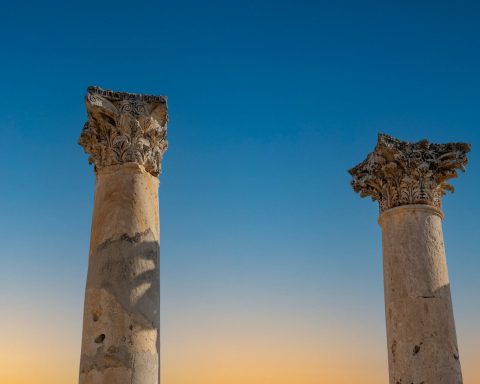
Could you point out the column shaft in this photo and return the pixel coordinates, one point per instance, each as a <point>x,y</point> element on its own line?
<point>409,180</point>
<point>422,345</point>
<point>120,343</point>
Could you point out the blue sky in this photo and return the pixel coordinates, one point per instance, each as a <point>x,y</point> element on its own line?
<point>270,103</point>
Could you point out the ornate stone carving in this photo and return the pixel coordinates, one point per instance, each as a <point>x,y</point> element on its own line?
<point>125,127</point>
<point>400,173</point>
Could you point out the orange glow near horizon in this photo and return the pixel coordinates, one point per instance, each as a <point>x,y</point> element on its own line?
<point>255,354</point>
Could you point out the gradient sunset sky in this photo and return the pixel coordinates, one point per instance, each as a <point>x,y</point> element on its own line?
<point>271,266</point>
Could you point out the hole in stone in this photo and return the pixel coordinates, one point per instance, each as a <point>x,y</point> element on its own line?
<point>99,339</point>
<point>95,317</point>
<point>130,327</point>
<point>416,349</point>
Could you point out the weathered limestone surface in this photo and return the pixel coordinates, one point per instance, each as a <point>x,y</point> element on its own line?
<point>400,173</point>
<point>125,136</point>
<point>408,180</point>
<point>422,344</point>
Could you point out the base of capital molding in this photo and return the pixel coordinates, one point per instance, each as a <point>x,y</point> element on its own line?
<point>132,167</point>
<point>402,209</point>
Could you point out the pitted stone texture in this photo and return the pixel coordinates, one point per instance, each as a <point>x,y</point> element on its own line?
<point>399,173</point>
<point>125,127</point>
<point>121,324</point>
<point>126,204</point>
<point>422,344</point>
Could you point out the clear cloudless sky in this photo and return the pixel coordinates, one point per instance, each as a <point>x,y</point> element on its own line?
<point>271,267</point>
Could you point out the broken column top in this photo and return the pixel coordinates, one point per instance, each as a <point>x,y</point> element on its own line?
<point>125,127</point>
<point>400,173</point>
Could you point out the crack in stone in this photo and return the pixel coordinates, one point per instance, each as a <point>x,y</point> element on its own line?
<point>135,239</point>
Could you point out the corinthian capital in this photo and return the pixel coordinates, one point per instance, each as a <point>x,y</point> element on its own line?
<point>125,127</point>
<point>400,173</point>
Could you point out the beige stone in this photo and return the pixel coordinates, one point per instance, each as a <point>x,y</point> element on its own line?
<point>421,338</point>
<point>408,180</point>
<point>125,136</point>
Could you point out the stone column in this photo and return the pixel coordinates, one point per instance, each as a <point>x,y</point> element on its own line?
<point>125,136</point>
<point>408,180</point>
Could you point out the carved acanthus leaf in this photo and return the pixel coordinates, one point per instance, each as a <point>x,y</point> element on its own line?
<point>400,173</point>
<point>125,127</point>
